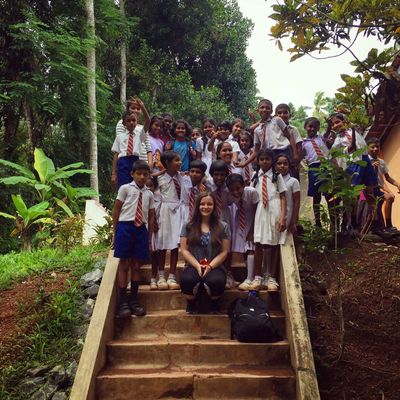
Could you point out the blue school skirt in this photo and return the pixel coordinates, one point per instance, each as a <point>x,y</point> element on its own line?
<point>131,241</point>
<point>124,169</point>
<point>313,181</point>
<point>363,175</point>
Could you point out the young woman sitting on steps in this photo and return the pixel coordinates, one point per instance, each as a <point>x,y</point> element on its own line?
<point>205,242</point>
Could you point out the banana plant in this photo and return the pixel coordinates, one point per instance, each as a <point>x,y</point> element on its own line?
<point>26,218</point>
<point>50,183</point>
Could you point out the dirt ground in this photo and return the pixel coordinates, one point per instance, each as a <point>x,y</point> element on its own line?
<point>369,278</point>
<point>18,302</point>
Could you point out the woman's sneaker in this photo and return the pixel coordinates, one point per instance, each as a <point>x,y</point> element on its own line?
<point>256,284</point>
<point>153,284</point>
<point>172,284</point>
<point>162,284</point>
<point>230,282</point>
<point>123,310</point>
<point>245,285</point>
<point>272,284</point>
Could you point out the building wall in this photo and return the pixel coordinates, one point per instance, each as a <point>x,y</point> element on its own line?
<point>391,155</point>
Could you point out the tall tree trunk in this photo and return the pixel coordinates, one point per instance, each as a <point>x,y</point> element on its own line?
<point>123,57</point>
<point>91,65</point>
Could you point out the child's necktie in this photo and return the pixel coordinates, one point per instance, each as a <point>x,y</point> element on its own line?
<point>192,198</point>
<point>177,186</point>
<point>218,201</point>
<point>139,211</point>
<point>129,150</point>
<point>242,216</point>
<point>264,192</point>
<point>317,149</point>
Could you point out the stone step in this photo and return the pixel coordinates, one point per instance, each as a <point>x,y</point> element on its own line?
<point>177,323</point>
<point>206,353</point>
<point>157,300</point>
<point>199,384</point>
<point>239,271</point>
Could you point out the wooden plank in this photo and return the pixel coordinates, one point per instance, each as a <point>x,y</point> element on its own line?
<point>301,355</point>
<point>100,331</point>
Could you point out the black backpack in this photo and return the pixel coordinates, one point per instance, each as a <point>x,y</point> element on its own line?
<point>251,322</point>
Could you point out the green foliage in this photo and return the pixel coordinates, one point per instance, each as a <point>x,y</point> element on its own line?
<point>314,238</point>
<point>298,115</point>
<point>104,233</point>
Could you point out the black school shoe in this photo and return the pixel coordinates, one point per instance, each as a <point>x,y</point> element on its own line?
<point>136,309</point>
<point>191,307</point>
<point>124,310</point>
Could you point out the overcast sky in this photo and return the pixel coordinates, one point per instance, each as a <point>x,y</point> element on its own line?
<point>282,81</point>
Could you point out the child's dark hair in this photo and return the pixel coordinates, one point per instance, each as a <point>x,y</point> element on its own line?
<point>289,160</point>
<point>265,101</point>
<point>219,147</point>
<point>140,165</point>
<point>310,120</point>
<point>204,137</point>
<point>338,115</point>
<point>126,114</point>
<point>373,140</point>
<point>201,165</point>
<point>188,128</point>
<point>154,180</point>
<point>248,135</point>
<point>167,114</point>
<point>265,153</point>
<point>284,106</point>
<point>226,125</point>
<point>167,156</point>
<point>219,166</point>
<point>234,178</point>
<point>129,104</point>
<point>238,120</point>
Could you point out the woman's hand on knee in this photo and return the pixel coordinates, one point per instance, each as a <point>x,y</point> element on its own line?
<point>206,270</point>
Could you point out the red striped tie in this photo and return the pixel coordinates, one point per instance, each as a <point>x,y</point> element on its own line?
<point>246,171</point>
<point>218,201</point>
<point>177,186</point>
<point>264,191</point>
<point>129,150</point>
<point>192,199</point>
<point>242,216</point>
<point>263,128</point>
<point>317,149</point>
<point>349,137</point>
<point>139,212</point>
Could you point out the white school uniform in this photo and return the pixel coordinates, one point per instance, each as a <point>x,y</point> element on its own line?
<point>244,157</point>
<point>206,155</point>
<point>266,224</point>
<point>120,144</point>
<point>343,140</point>
<point>129,195</point>
<point>292,186</point>
<point>238,242</point>
<point>157,205</point>
<point>225,200</point>
<point>232,142</point>
<point>170,214</point>
<point>145,147</point>
<point>185,198</point>
<point>274,138</point>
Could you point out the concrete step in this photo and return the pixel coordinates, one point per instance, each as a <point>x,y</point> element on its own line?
<point>195,353</point>
<point>239,271</point>
<point>157,300</point>
<point>199,384</point>
<point>177,323</point>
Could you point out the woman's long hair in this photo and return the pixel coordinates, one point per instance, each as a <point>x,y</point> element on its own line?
<point>194,226</point>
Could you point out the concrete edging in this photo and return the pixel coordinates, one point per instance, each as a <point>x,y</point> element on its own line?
<point>100,331</point>
<point>301,354</point>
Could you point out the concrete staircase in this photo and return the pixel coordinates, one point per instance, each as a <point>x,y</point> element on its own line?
<point>169,354</point>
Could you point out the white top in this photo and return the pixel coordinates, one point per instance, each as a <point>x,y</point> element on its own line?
<point>274,137</point>
<point>129,195</point>
<point>167,188</point>
<point>120,144</point>
<point>295,133</point>
<point>233,143</point>
<point>343,140</point>
<point>382,170</point>
<point>292,186</point>
<point>243,156</point>
<point>145,148</point>
<point>206,155</point>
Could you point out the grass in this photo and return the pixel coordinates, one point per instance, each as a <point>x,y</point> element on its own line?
<point>52,323</point>
<point>16,266</point>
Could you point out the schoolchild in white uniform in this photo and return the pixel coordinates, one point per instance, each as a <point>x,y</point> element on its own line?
<point>282,165</point>
<point>219,171</point>
<point>245,200</point>
<point>246,151</point>
<point>270,219</point>
<point>152,185</point>
<point>133,106</point>
<point>237,127</point>
<point>133,219</point>
<point>272,134</point>
<point>170,184</point>
<point>225,153</point>
<point>221,136</point>
<point>209,128</point>
<point>191,188</point>
<point>126,148</point>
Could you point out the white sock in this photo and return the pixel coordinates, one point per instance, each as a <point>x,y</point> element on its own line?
<point>161,274</point>
<point>171,276</point>
<point>250,267</point>
<point>258,277</point>
<point>153,280</point>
